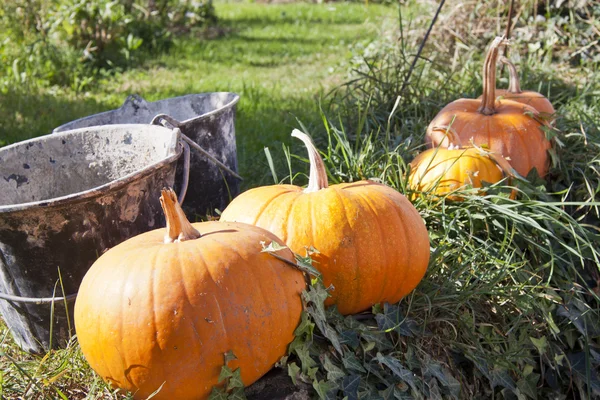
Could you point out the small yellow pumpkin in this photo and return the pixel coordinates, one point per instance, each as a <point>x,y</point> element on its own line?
<point>442,171</point>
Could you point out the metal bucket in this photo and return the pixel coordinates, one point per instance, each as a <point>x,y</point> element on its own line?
<point>208,120</point>
<point>65,199</point>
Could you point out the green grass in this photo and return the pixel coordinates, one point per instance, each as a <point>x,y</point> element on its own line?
<point>510,305</point>
<point>279,58</point>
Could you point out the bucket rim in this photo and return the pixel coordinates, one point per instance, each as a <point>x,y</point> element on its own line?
<point>96,191</point>
<point>230,104</point>
<point>235,98</point>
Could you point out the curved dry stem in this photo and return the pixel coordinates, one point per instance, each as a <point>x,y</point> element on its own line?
<point>488,99</point>
<point>317,178</point>
<point>179,229</point>
<point>514,86</point>
<point>450,135</point>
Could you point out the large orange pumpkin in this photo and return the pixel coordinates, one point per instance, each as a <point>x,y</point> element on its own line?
<point>529,97</point>
<point>160,311</point>
<point>442,171</point>
<point>505,127</point>
<point>372,243</point>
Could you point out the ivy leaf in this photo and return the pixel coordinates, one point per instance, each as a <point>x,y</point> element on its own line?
<point>226,373</point>
<point>322,387</point>
<point>306,327</point>
<point>434,390</point>
<point>305,359</point>
<point>237,394</point>
<point>217,394</point>
<point>444,377</point>
<point>528,385</point>
<point>381,341</point>
<point>351,362</point>
<point>398,369</point>
<point>389,318</point>
<point>235,381</point>
<point>503,379</point>
<point>294,372</point>
<point>392,319</point>
<point>350,386</point>
<point>312,372</point>
<point>305,265</point>
<point>334,372</point>
<point>272,247</point>
<point>316,296</point>
<point>540,344</point>
<point>350,338</point>
<point>229,356</point>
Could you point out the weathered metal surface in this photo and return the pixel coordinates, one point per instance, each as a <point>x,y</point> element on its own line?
<point>65,199</point>
<point>209,120</point>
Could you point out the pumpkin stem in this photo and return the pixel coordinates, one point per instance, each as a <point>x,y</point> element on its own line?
<point>488,99</point>
<point>317,178</point>
<point>179,228</point>
<point>514,86</point>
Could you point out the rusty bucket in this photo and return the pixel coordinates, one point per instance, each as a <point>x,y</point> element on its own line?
<point>64,199</point>
<point>207,123</point>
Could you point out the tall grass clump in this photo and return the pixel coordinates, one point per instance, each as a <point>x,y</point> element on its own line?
<point>510,305</point>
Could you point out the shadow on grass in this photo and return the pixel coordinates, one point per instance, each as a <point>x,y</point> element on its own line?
<point>29,114</point>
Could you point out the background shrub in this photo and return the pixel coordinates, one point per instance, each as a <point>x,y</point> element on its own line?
<point>68,42</point>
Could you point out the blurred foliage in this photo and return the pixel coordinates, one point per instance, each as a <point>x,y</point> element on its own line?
<point>70,42</point>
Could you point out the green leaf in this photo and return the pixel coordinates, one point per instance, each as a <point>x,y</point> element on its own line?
<point>351,362</point>
<point>294,372</point>
<point>305,359</point>
<point>540,344</point>
<point>229,356</point>
<point>528,385</point>
<point>322,387</point>
<point>272,247</point>
<point>350,386</point>
<point>217,394</point>
<point>226,373</point>
<point>397,369</point>
<point>312,372</point>
<point>235,381</point>
<point>434,390</point>
<point>306,327</point>
<point>334,372</point>
<point>444,377</point>
<point>501,378</point>
<point>380,339</point>
<point>237,394</point>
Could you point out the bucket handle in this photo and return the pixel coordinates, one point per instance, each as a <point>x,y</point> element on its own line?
<point>36,300</point>
<point>171,123</point>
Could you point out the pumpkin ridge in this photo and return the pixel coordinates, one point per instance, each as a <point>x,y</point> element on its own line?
<point>356,258</point>
<point>525,146</point>
<point>382,243</point>
<point>124,359</point>
<point>267,204</point>
<point>406,250</point>
<point>283,235</point>
<point>258,288</point>
<point>187,297</point>
<point>289,220</point>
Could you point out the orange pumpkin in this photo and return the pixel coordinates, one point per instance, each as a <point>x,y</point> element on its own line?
<point>160,311</point>
<point>529,97</point>
<point>372,243</point>
<point>443,171</point>
<point>505,127</point>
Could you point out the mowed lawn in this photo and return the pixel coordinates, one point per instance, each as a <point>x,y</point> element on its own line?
<point>281,58</point>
